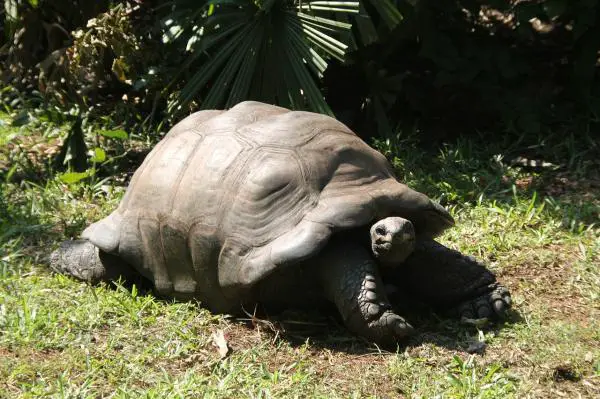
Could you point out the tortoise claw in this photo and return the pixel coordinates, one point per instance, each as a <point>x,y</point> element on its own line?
<point>494,304</point>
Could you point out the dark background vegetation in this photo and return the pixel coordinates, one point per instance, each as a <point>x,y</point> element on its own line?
<point>435,70</point>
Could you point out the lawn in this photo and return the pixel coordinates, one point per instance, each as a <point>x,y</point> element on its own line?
<point>536,227</point>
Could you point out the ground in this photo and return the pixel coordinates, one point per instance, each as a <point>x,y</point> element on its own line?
<point>535,227</point>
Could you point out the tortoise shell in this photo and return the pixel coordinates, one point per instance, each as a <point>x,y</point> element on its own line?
<point>227,197</point>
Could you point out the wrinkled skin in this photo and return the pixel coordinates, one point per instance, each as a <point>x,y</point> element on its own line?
<point>347,274</point>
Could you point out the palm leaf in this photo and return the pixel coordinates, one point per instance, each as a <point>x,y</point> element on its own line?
<point>388,12</point>
<point>241,85</point>
<point>208,69</point>
<point>271,50</point>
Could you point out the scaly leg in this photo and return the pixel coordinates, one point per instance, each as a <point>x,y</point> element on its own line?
<point>449,280</point>
<point>350,279</point>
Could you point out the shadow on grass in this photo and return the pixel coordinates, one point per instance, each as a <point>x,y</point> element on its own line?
<point>323,328</point>
<point>319,323</point>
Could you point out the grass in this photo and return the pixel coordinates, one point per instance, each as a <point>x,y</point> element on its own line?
<point>534,228</point>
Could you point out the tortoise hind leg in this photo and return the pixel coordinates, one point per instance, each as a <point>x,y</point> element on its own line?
<point>450,281</point>
<point>84,261</point>
<point>350,279</point>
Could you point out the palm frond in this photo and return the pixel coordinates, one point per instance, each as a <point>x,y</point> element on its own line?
<point>388,12</point>
<point>272,50</point>
<point>208,69</point>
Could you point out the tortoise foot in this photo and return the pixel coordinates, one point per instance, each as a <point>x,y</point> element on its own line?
<point>374,318</point>
<point>388,329</point>
<point>351,280</point>
<point>493,304</point>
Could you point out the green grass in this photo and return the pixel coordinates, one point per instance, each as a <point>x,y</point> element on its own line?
<point>535,229</point>
<point>5,130</point>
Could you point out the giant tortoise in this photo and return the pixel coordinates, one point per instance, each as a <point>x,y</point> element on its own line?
<point>262,204</point>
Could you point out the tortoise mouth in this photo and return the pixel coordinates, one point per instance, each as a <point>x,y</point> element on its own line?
<point>382,247</point>
<point>385,249</point>
<point>382,250</point>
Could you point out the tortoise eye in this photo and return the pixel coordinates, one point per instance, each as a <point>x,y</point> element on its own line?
<point>380,230</point>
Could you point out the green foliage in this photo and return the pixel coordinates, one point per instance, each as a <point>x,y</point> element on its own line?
<point>74,150</point>
<point>458,67</point>
<point>272,51</point>
<point>37,33</point>
<point>115,133</point>
<point>442,68</point>
<point>466,381</point>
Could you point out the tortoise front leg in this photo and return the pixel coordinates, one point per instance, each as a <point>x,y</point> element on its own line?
<point>350,279</point>
<point>450,281</point>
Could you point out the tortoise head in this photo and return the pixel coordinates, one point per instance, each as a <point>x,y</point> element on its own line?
<point>392,240</point>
